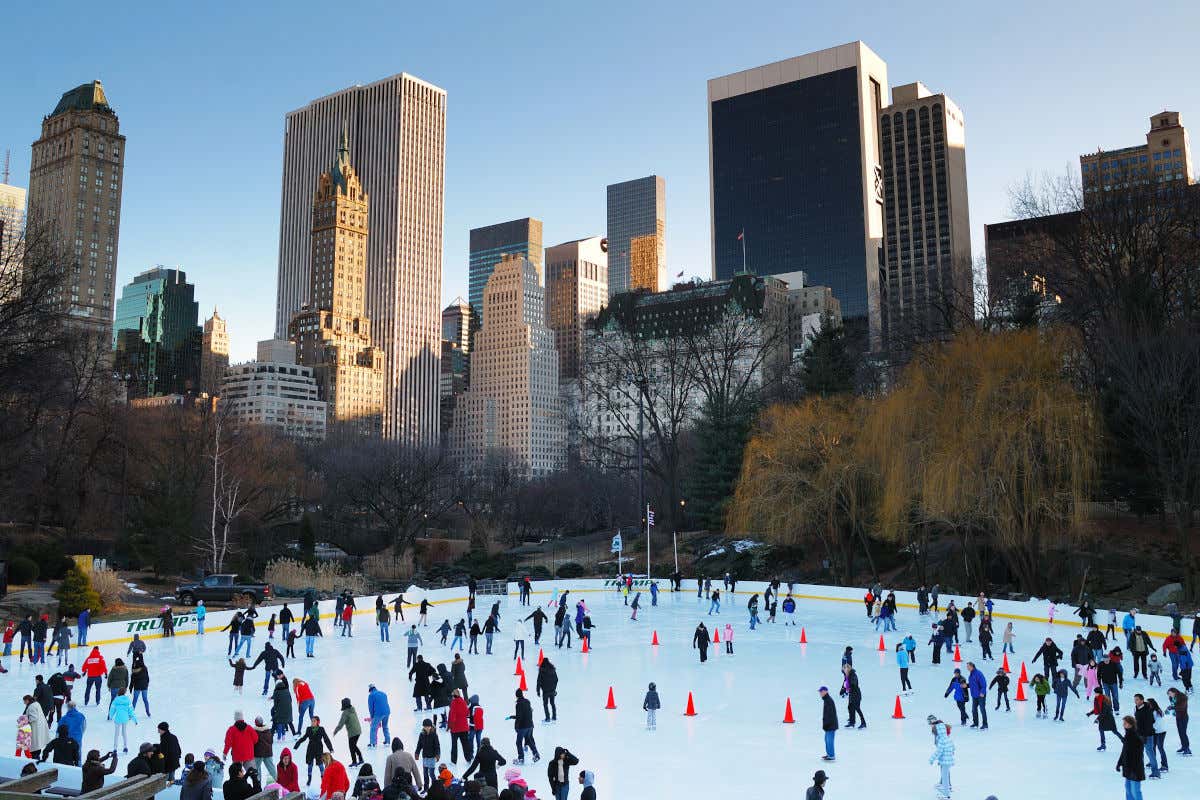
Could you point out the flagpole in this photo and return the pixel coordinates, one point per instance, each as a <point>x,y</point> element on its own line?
<point>743,238</point>
<point>647,541</point>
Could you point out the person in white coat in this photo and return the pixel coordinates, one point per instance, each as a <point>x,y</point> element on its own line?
<point>517,626</point>
<point>40,733</point>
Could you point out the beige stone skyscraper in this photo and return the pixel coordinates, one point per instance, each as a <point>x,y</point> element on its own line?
<point>926,287</point>
<point>75,184</point>
<point>513,408</point>
<point>576,289</point>
<point>332,334</point>
<point>12,224</point>
<point>398,127</point>
<point>214,354</point>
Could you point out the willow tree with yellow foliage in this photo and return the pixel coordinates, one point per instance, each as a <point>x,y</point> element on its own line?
<point>986,438</point>
<point>805,482</point>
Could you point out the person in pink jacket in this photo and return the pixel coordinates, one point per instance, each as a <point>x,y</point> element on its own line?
<point>728,638</point>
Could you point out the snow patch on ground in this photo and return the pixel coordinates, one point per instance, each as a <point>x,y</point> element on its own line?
<point>740,546</point>
<point>133,588</point>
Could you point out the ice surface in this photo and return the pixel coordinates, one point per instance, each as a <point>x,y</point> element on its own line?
<point>735,747</point>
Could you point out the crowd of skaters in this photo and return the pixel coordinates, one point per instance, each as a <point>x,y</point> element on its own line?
<point>256,755</point>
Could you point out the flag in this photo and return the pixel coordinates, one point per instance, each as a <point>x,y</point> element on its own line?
<point>741,234</point>
<point>616,543</point>
<point>650,517</point>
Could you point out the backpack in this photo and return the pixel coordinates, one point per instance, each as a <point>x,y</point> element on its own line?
<point>475,717</point>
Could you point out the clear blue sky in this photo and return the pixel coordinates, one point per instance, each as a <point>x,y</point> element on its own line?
<point>548,103</point>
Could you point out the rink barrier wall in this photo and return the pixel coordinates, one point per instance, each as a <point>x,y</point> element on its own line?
<point>121,632</point>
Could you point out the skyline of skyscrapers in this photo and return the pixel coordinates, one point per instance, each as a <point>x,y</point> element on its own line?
<point>398,127</point>
<point>637,208</point>
<point>75,179</point>
<point>489,244</point>
<point>795,175</point>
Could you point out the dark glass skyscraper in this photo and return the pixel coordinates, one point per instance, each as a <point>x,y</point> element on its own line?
<point>520,237</point>
<point>156,334</point>
<point>795,170</point>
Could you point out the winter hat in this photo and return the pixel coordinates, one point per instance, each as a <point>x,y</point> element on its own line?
<point>653,688</point>
<point>370,687</point>
<point>819,776</point>
<point>427,723</point>
<point>238,716</point>
<point>823,689</point>
<point>932,719</point>
<point>512,774</point>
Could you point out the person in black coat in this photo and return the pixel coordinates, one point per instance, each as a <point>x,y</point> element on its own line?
<point>700,641</point>
<point>241,783</point>
<point>168,746</point>
<point>539,617</point>
<point>547,689</point>
<point>421,674</point>
<point>853,695</point>
<point>1050,655</point>
<point>558,771</point>
<point>273,662</point>
<point>281,710</point>
<point>829,722</point>
<point>140,764</point>
<point>486,760</point>
<point>1130,764</point>
<point>64,748</point>
<point>1143,717</point>
<point>317,740</point>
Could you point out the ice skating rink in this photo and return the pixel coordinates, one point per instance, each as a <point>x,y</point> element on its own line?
<point>736,745</point>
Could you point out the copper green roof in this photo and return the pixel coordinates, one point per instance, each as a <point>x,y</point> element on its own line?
<point>342,164</point>
<point>87,97</point>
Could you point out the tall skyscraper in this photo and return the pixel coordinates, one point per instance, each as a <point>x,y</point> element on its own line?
<point>513,408</point>
<point>519,237</point>
<point>214,353</point>
<point>331,332</point>
<point>797,183</point>
<point>398,126</point>
<point>637,208</point>
<point>576,290</point>
<point>12,224</point>
<point>456,324</point>
<point>156,334</point>
<point>456,359</point>
<point>75,200</point>
<point>928,287</point>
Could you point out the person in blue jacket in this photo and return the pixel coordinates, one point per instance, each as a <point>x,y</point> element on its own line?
<point>958,685</point>
<point>902,662</point>
<point>978,685</point>
<point>653,593</point>
<point>75,723</point>
<point>789,608</point>
<point>379,712</point>
<point>910,644</point>
<point>85,621</point>
<point>1061,685</point>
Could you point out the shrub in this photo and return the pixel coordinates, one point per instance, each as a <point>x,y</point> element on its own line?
<point>75,593</point>
<point>52,561</point>
<point>325,576</point>
<point>22,570</point>
<point>569,570</point>
<point>481,565</point>
<point>108,585</point>
<point>385,566</point>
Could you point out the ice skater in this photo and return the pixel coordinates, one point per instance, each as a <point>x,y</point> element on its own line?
<point>1000,682</point>
<point>902,662</point>
<point>1062,684</point>
<point>714,603</point>
<point>853,694</point>
<point>728,639</point>
<point>700,641</point>
<point>651,705</point>
<point>789,608</point>
<point>637,599</point>
<point>943,755</point>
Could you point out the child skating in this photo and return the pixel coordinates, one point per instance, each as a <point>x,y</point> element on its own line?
<point>728,639</point>
<point>651,705</point>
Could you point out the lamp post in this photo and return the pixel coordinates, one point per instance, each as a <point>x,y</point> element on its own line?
<point>675,535</point>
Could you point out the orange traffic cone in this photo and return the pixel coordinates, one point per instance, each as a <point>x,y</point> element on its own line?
<point>957,655</point>
<point>898,713</point>
<point>882,646</point>
<point>803,638</point>
<point>541,656</point>
<point>1004,666</point>
<point>691,707</point>
<point>585,644</point>
<point>1020,692</point>
<point>612,702</point>
<point>716,635</point>
<point>654,641</point>
<point>788,719</point>
<point>524,686</point>
<point>1024,675</point>
<point>520,669</point>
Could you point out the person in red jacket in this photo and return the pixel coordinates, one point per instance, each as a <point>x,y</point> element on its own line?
<point>1172,646</point>
<point>287,774</point>
<point>334,779</point>
<point>240,739</point>
<point>304,701</point>
<point>348,621</point>
<point>95,669</point>
<point>459,724</point>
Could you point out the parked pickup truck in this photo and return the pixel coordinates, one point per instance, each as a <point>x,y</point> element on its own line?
<point>224,588</point>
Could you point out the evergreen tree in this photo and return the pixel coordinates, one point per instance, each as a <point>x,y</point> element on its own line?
<point>76,593</point>
<point>308,540</point>
<point>720,442</point>
<point>827,367</point>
